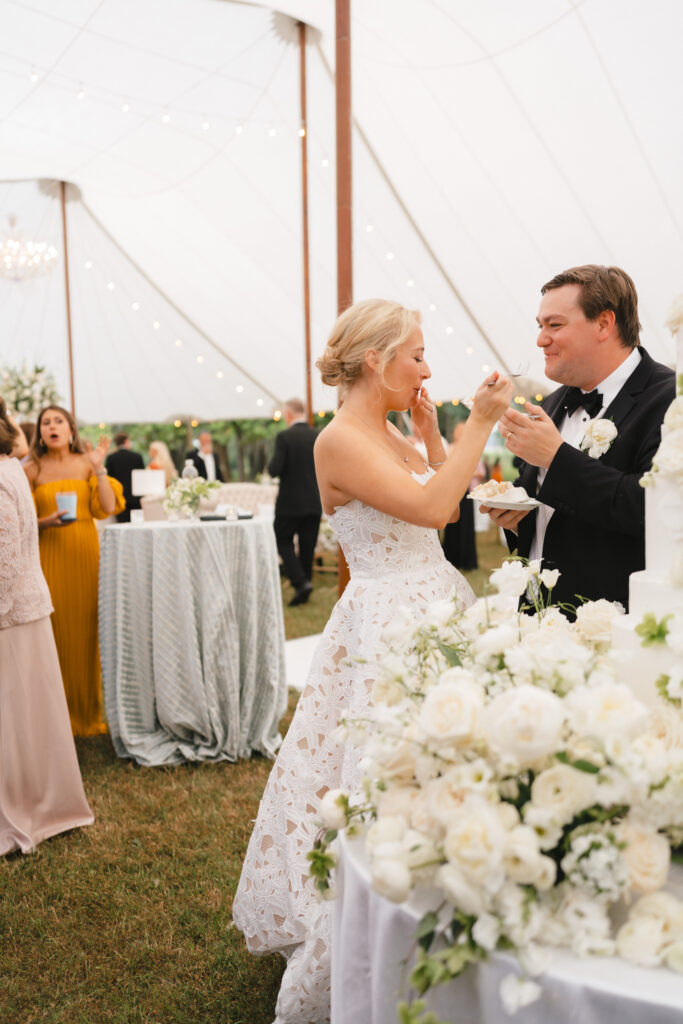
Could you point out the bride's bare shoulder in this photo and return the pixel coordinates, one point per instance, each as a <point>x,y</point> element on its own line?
<point>338,434</point>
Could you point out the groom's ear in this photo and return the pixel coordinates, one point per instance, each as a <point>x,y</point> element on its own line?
<point>605,322</point>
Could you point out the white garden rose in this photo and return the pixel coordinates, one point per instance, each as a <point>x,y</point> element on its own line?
<point>662,906</point>
<point>563,791</point>
<point>673,956</point>
<point>523,861</point>
<point>386,690</point>
<point>462,893</point>
<point>598,437</point>
<point>667,726</point>
<point>385,830</point>
<point>397,800</point>
<point>511,579</point>
<point>495,641</point>
<point>517,992</point>
<point>594,620</point>
<point>606,710</point>
<point>439,613</point>
<point>668,459</point>
<point>544,825</point>
<point>486,932</point>
<point>673,417</point>
<point>395,761</point>
<point>333,808</point>
<point>451,712</point>
<point>391,878</point>
<point>474,843</point>
<point>648,857</point>
<point>524,724</point>
<point>641,941</point>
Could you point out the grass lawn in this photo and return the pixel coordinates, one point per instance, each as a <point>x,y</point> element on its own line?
<point>129,921</point>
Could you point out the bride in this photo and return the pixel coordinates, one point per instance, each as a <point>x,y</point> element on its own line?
<point>385,503</point>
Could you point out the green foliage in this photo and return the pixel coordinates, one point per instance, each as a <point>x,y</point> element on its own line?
<point>416,1013</point>
<point>450,654</point>
<point>652,631</point>
<point>662,684</point>
<point>580,764</point>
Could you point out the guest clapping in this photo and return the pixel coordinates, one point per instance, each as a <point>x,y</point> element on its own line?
<point>70,487</point>
<point>41,793</point>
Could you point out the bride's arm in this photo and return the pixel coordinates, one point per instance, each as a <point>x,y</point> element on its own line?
<point>350,465</point>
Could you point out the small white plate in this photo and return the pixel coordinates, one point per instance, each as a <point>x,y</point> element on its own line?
<point>513,506</point>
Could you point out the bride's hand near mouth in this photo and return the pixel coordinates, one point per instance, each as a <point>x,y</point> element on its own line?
<point>423,416</point>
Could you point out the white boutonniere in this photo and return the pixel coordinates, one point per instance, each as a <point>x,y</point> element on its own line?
<point>598,437</point>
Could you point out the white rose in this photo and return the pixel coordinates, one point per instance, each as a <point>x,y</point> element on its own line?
<point>640,941</point>
<point>511,579</point>
<point>451,711</point>
<point>387,691</point>
<point>523,861</point>
<point>605,710</point>
<point>396,762</point>
<point>563,791</point>
<point>495,641</point>
<point>594,620</point>
<point>662,906</point>
<point>474,843</point>
<point>333,808</point>
<point>544,825</point>
<point>461,893</point>
<point>391,878</point>
<point>669,456</point>
<point>598,437</point>
<point>549,577</point>
<point>385,830</point>
<point>397,800</point>
<point>486,932</point>
<point>524,724</point>
<point>647,856</point>
<point>516,992</point>
<point>667,726</point>
<point>674,637</point>
<point>439,613</point>
<point>673,418</point>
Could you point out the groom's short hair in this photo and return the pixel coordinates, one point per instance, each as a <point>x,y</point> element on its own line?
<point>604,288</point>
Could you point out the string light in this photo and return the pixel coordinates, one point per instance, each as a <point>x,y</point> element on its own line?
<point>539,398</point>
<point>321,413</point>
<point>259,401</point>
<point>178,342</point>
<point>125,107</point>
<point>219,374</point>
<point>156,325</point>
<point>485,368</point>
<point>469,350</point>
<point>177,423</point>
<point>135,306</point>
<point>239,389</point>
<point>101,426</point>
<point>369,227</point>
<point>200,359</point>
<point>410,282</point>
<point>455,401</point>
<point>88,264</point>
<point>519,399</point>
<point>111,286</point>
<point>277,415</point>
<point>239,128</point>
<point>205,125</point>
<point>165,117</point>
<point>272,132</point>
<point>325,162</point>
<point>302,132</point>
<point>449,329</point>
<point>195,423</point>
<point>439,404</point>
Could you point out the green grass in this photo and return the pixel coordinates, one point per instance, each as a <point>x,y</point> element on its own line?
<point>129,921</point>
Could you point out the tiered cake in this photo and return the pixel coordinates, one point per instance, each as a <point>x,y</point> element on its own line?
<point>657,592</point>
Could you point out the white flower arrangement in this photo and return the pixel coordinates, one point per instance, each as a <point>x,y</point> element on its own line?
<point>27,390</point>
<point>185,495</point>
<point>668,459</point>
<point>598,437</point>
<point>508,769</point>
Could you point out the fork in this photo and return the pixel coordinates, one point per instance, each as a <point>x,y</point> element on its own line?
<point>521,370</point>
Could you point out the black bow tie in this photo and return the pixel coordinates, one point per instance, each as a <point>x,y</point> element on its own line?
<point>592,402</point>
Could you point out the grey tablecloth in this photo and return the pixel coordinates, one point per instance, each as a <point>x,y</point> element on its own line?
<point>372,938</point>
<point>192,640</point>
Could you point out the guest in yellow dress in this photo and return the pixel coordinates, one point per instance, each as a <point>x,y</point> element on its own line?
<point>70,487</point>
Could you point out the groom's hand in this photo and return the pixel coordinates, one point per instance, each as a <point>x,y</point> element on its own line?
<point>533,437</point>
<point>507,518</point>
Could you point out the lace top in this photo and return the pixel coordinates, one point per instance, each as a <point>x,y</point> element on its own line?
<point>24,596</point>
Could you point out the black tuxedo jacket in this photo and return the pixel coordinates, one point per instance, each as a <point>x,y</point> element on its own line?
<point>596,536</point>
<point>200,465</point>
<point>292,461</point>
<point>120,464</point>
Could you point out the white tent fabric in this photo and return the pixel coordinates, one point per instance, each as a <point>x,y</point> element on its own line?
<point>495,145</point>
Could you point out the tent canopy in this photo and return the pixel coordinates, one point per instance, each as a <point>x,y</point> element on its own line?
<point>495,145</point>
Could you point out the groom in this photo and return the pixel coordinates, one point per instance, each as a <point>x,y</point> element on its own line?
<point>591,521</point>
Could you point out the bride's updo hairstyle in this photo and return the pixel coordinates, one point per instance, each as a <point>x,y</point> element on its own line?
<point>373,323</point>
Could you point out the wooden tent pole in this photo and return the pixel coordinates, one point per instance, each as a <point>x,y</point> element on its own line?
<point>304,215</point>
<point>344,182</point>
<point>67,292</point>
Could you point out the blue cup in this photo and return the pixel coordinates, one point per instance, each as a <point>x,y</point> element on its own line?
<point>66,502</point>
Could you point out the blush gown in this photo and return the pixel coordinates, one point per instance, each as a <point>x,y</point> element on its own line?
<point>393,565</point>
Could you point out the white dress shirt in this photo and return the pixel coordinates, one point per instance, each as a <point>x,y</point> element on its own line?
<point>572,429</point>
<point>210,463</point>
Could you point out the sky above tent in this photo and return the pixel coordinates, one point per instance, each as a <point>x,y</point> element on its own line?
<point>495,145</point>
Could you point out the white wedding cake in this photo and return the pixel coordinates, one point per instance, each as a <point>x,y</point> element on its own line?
<point>647,644</point>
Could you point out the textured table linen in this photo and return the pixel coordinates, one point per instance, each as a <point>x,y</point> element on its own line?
<point>192,640</point>
<point>372,937</point>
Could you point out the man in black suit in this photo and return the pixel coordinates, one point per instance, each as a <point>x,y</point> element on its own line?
<point>120,464</point>
<point>204,458</point>
<point>297,507</point>
<point>591,523</point>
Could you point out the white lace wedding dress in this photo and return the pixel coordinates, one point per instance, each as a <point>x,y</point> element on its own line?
<point>393,565</point>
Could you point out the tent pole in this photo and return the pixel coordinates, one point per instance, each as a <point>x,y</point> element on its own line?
<point>304,214</point>
<point>344,181</point>
<point>67,292</point>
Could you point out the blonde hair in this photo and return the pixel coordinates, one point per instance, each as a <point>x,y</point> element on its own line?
<point>372,324</point>
<point>161,457</point>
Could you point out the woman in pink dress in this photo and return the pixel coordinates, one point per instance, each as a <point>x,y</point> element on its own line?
<point>41,792</point>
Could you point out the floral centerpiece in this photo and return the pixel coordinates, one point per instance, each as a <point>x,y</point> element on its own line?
<point>183,496</point>
<point>508,769</point>
<point>27,390</point>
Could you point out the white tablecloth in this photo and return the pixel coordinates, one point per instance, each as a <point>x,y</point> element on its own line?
<point>372,938</point>
<point>192,640</point>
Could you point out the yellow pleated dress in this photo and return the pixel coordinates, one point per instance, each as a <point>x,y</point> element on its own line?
<point>69,556</point>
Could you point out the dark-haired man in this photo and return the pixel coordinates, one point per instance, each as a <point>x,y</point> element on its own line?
<point>591,523</point>
<point>120,464</point>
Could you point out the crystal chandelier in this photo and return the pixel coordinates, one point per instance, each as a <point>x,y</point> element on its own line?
<point>20,258</point>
